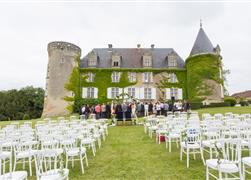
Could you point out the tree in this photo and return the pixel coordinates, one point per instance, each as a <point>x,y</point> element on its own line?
<point>14,104</point>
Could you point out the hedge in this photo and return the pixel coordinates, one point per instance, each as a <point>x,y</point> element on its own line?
<point>222,104</point>
<point>196,105</point>
<point>230,100</point>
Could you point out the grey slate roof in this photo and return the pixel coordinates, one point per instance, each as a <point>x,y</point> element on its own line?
<point>202,44</point>
<point>132,57</point>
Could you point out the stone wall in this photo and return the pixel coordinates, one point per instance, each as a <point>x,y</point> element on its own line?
<point>60,64</point>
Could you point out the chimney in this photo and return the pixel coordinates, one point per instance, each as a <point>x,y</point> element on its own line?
<point>152,46</point>
<point>110,47</point>
<point>138,46</point>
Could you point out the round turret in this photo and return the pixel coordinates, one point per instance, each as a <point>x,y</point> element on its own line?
<point>61,62</point>
<point>204,79</point>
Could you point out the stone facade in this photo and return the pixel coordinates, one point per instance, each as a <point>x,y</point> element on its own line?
<point>60,64</point>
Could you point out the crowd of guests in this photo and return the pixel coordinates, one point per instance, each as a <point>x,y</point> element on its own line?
<point>134,109</point>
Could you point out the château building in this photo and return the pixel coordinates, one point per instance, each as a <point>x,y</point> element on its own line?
<point>146,74</point>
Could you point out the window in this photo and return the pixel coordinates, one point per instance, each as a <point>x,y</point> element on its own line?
<point>131,92</point>
<point>92,62</point>
<point>115,92</point>
<point>172,61</point>
<point>173,78</point>
<point>115,64</point>
<point>116,60</point>
<point>62,61</point>
<point>147,61</point>
<point>132,76</point>
<point>174,92</point>
<point>147,93</point>
<point>115,76</point>
<point>90,92</point>
<point>147,77</point>
<point>90,77</point>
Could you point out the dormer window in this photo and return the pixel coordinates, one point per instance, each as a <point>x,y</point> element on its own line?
<point>115,64</point>
<point>172,60</point>
<point>147,60</point>
<point>92,59</point>
<point>92,62</point>
<point>116,60</point>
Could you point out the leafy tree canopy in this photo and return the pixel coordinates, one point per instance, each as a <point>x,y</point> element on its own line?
<point>14,104</point>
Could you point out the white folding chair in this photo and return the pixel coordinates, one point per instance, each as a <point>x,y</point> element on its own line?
<point>45,172</point>
<point>192,142</point>
<point>228,161</point>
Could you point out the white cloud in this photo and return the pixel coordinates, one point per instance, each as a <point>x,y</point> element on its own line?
<point>26,29</point>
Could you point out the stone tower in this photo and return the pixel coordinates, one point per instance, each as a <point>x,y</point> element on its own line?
<point>204,63</point>
<point>60,64</point>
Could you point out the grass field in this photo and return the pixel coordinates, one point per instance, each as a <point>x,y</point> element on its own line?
<point>237,110</point>
<point>128,153</point>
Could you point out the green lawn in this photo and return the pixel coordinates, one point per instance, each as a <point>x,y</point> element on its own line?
<point>237,110</point>
<point>128,153</point>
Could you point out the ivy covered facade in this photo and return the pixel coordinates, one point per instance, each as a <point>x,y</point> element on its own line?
<point>146,74</point>
<point>154,73</point>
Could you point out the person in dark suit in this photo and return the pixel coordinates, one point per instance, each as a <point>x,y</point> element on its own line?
<point>108,111</point>
<point>142,109</point>
<point>151,108</point>
<point>128,113</point>
<point>119,112</point>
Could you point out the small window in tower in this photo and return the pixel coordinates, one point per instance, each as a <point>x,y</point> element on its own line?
<point>62,60</point>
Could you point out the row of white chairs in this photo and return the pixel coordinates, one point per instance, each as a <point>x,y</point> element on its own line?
<point>226,135</point>
<point>47,143</point>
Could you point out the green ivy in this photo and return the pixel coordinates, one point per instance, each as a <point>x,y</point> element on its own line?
<point>74,86</point>
<point>181,77</point>
<point>102,79</point>
<point>200,68</point>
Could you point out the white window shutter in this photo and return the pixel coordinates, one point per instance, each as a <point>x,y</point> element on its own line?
<point>168,93</point>
<point>180,94</point>
<point>137,93</point>
<point>143,77</point>
<point>126,90</point>
<point>109,93</point>
<point>119,74</point>
<point>151,77</point>
<point>95,92</point>
<point>120,91</point>
<point>141,93</point>
<point>153,96</point>
<point>84,93</point>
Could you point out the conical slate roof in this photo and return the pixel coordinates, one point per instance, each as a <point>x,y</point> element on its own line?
<point>202,44</point>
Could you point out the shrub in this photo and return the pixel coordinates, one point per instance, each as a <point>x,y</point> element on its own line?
<point>244,103</point>
<point>230,100</point>
<point>196,105</point>
<point>26,116</point>
<point>222,104</point>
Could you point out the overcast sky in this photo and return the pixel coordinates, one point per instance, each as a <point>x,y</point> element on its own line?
<point>26,29</point>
